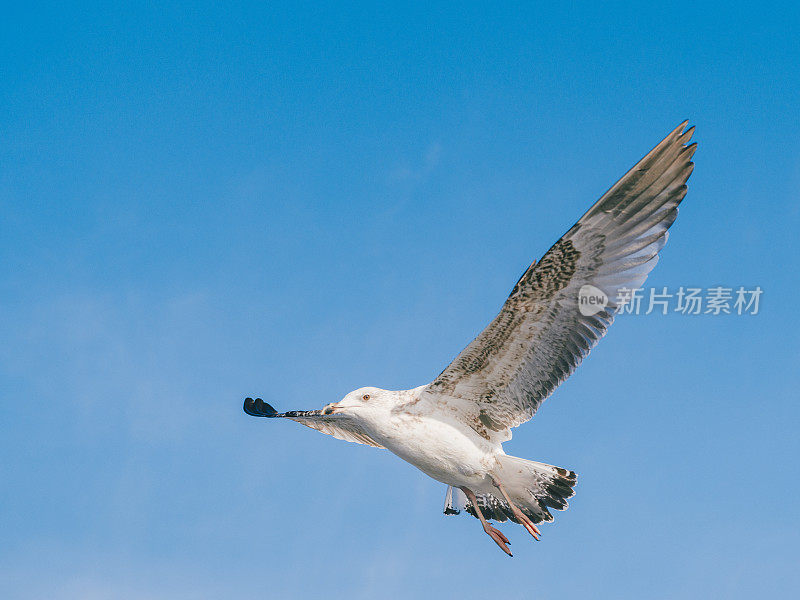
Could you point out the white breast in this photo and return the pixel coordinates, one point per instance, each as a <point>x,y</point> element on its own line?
<point>439,449</point>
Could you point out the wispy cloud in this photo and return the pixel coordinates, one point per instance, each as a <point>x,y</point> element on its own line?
<point>420,168</point>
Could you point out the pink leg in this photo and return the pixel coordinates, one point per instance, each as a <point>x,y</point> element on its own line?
<point>521,516</point>
<point>493,533</point>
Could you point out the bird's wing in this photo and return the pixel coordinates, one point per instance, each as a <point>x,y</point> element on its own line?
<point>338,425</point>
<point>341,429</point>
<point>540,336</point>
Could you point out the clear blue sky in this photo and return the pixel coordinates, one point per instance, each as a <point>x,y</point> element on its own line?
<point>200,203</point>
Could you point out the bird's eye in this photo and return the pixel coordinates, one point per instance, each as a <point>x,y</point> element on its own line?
<point>365,397</point>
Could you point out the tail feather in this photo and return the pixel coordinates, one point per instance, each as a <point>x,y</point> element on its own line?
<point>536,487</point>
<point>533,486</point>
<point>492,508</point>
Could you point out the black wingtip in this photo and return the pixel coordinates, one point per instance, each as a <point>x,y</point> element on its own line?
<point>258,408</point>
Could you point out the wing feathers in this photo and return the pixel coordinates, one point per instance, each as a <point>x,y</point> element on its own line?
<point>540,335</point>
<point>336,425</point>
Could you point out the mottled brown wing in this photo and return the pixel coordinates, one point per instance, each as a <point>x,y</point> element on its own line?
<point>540,335</point>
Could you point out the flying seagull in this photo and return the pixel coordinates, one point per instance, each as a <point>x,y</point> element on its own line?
<point>453,428</point>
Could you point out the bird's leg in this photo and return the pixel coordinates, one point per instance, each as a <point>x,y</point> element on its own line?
<point>521,516</point>
<point>495,534</point>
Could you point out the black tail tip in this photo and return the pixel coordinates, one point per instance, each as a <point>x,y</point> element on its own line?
<point>258,408</point>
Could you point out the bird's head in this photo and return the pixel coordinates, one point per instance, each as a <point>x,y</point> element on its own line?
<point>362,400</point>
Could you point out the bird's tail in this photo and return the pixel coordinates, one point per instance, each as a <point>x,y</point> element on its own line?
<point>533,486</point>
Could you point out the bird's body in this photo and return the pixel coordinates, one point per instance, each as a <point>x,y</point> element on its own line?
<point>453,428</point>
<point>439,448</point>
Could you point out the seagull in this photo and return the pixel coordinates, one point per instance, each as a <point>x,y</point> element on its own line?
<point>453,428</point>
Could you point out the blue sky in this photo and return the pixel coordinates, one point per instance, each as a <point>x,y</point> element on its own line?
<point>201,203</point>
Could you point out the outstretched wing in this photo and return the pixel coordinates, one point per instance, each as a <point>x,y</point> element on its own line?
<point>336,424</point>
<point>540,335</point>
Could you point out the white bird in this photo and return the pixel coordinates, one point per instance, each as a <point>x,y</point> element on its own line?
<point>453,428</point>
